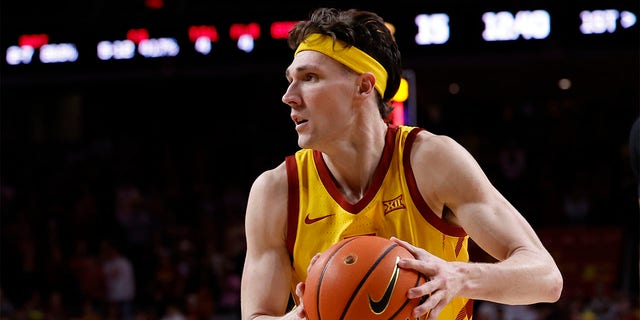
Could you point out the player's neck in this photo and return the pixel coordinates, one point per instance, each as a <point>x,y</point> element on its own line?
<point>354,166</point>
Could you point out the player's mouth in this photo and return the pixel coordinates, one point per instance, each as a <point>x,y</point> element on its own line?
<point>298,121</point>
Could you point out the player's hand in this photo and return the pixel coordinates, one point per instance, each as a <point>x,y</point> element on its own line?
<point>443,282</point>
<point>313,260</point>
<point>299,310</point>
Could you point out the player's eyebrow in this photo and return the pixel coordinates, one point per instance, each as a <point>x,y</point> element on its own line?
<point>301,68</point>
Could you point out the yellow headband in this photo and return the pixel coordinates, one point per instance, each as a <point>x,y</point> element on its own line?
<point>351,57</point>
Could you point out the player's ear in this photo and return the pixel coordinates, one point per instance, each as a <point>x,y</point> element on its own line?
<point>367,83</point>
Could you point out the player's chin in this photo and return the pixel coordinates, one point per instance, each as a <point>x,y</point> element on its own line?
<point>303,141</point>
<point>302,127</point>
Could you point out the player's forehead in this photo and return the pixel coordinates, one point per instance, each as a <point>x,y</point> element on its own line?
<point>312,60</point>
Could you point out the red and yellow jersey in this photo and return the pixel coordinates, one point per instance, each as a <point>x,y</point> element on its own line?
<point>320,216</point>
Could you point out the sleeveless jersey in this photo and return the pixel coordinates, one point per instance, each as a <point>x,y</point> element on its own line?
<point>320,216</point>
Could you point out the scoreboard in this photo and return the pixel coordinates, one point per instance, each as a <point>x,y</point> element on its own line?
<point>106,36</point>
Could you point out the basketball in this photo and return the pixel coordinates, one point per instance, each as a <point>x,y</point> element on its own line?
<point>358,278</point>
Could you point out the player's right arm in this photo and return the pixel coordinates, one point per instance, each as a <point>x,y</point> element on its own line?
<point>267,274</point>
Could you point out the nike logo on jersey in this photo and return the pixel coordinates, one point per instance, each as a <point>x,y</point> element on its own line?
<point>378,306</point>
<point>308,220</point>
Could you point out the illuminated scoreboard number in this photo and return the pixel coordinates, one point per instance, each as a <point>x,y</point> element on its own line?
<point>138,41</point>
<point>505,26</point>
<point>30,44</point>
<point>432,28</point>
<point>605,21</point>
<point>117,50</point>
<point>203,37</point>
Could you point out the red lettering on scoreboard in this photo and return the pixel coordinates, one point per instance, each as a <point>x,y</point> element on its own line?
<point>280,29</point>
<point>209,32</point>
<point>137,35</point>
<point>237,30</point>
<point>33,40</point>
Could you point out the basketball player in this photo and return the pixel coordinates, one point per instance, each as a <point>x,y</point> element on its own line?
<point>357,174</point>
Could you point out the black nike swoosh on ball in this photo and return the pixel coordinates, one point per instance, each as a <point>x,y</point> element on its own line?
<point>378,306</point>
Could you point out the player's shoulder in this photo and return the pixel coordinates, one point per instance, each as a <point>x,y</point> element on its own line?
<point>269,194</point>
<point>427,141</point>
<point>272,179</point>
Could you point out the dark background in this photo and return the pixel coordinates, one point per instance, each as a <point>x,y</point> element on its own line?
<point>190,134</point>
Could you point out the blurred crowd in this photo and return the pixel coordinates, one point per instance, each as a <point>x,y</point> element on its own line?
<point>113,228</point>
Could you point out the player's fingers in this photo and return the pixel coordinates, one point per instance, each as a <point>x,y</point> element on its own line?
<point>300,308</point>
<point>435,311</point>
<point>422,290</point>
<point>300,311</point>
<point>418,265</point>
<point>417,252</point>
<point>432,305</point>
<point>421,311</point>
<point>313,260</point>
<point>405,245</point>
<point>300,290</point>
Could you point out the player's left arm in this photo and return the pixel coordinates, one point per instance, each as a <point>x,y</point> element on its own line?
<point>454,184</point>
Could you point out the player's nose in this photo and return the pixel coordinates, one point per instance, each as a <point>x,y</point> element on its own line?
<point>291,97</point>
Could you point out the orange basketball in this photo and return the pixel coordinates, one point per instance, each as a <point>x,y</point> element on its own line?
<point>359,278</point>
